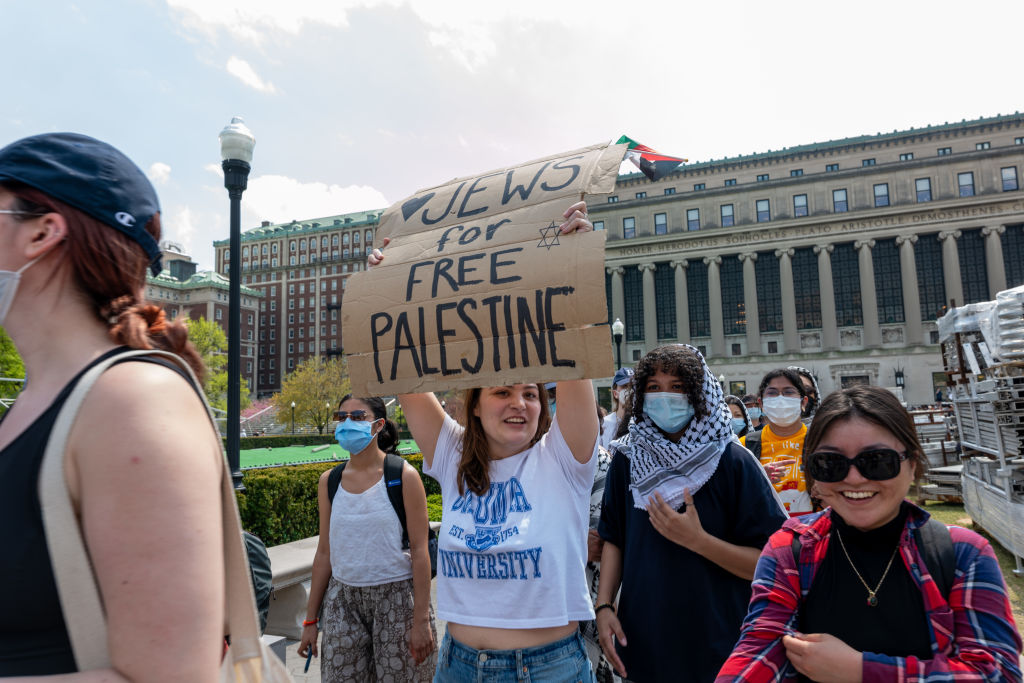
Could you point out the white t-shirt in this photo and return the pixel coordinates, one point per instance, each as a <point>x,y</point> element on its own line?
<point>366,538</point>
<point>608,429</point>
<point>515,558</point>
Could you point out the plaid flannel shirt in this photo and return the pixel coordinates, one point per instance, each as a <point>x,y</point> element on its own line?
<point>973,637</point>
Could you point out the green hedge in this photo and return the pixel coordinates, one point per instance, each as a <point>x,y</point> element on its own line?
<point>282,441</point>
<point>279,504</point>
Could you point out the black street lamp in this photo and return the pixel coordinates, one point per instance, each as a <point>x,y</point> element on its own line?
<point>236,145</point>
<point>293,418</point>
<point>900,378</point>
<point>617,329</point>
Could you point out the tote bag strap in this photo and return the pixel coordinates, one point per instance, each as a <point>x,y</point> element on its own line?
<point>76,583</point>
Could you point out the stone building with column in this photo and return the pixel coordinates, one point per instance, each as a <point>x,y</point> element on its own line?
<point>835,256</point>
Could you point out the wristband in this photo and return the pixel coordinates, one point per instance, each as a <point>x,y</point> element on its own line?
<point>604,605</point>
<point>310,622</point>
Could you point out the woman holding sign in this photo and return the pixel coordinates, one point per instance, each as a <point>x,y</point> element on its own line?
<point>686,512</point>
<point>513,538</point>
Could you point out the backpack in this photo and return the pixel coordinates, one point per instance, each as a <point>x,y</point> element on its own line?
<point>936,548</point>
<point>261,575</point>
<point>393,465</point>
<point>752,441</point>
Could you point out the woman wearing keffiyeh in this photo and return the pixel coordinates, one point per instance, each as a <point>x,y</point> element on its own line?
<point>685,513</point>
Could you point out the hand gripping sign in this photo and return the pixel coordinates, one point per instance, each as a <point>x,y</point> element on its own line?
<point>478,288</point>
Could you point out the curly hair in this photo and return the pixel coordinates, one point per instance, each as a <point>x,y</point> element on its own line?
<point>473,472</point>
<point>673,359</point>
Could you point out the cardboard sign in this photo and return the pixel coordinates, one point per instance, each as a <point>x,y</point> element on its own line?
<point>478,288</point>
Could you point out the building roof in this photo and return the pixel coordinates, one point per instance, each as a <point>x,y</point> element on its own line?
<point>313,225</point>
<point>204,279</point>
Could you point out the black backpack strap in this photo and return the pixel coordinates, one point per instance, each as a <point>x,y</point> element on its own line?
<point>393,466</point>
<point>753,443</point>
<point>334,480</point>
<point>936,548</point>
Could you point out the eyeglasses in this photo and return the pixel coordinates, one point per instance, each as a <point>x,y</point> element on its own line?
<point>29,214</point>
<point>877,465</point>
<point>788,393</point>
<point>357,415</point>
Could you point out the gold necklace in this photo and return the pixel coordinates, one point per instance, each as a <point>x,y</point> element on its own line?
<point>872,600</point>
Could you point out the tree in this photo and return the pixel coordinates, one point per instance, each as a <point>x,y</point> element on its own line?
<point>212,343</point>
<point>11,367</point>
<point>315,387</point>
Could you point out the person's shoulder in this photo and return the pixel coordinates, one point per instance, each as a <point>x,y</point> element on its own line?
<point>965,537</point>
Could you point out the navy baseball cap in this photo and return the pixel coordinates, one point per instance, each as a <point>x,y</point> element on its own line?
<point>91,176</point>
<point>550,385</point>
<point>622,376</point>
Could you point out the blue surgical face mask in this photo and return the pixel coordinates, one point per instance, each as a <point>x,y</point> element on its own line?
<point>738,423</point>
<point>671,412</point>
<point>354,435</point>
<point>754,413</point>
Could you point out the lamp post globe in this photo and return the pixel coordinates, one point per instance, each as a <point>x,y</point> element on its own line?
<point>617,329</point>
<point>293,417</point>
<point>236,146</point>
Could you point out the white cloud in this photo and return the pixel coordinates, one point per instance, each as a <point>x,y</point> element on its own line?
<point>179,226</point>
<point>279,199</point>
<point>253,20</point>
<point>159,173</point>
<point>243,71</point>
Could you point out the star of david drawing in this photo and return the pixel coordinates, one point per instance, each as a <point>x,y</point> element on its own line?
<point>548,236</point>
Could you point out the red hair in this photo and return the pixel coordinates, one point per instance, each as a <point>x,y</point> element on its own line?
<point>109,269</point>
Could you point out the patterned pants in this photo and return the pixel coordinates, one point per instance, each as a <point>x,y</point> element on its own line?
<point>366,635</point>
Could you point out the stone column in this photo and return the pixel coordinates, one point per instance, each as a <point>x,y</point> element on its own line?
<point>911,293</point>
<point>618,301</point>
<point>827,293</point>
<point>750,303</point>
<point>682,302</point>
<point>791,339</point>
<point>994,259</point>
<point>868,296</point>
<point>951,266</point>
<point>715,306</point>
<point>650,310</point>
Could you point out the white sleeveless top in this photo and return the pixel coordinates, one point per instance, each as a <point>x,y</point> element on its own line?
<point>515,557</point>
<point>366,538</point>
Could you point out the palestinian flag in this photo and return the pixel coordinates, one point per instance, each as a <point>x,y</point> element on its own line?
<point>652,164</point>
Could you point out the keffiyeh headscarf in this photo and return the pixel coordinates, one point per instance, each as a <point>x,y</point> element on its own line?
<point>657,464</point>
<point>743,409</point>
<point>812,406</point>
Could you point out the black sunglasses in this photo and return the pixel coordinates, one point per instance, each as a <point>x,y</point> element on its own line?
<point>357,415</point>
<point>877,465</point>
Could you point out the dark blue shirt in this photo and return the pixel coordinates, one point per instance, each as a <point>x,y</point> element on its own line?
<point>680,612</point>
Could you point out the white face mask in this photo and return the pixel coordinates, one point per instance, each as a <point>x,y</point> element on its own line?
<point>782,410</point>
<point>9,286</point>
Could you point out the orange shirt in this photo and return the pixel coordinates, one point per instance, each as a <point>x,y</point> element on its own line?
<point>793,487</point>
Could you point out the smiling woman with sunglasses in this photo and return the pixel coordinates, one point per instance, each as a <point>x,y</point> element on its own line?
<point>866,600</point>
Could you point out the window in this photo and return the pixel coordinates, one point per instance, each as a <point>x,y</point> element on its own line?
<point>930,284</point>
<point>737,349</point>
<point>698,186</point>
<point>1009,175</point>
<point>907,156</point>
<point>1018,141</point>
<point>885,257</point>
<point>839,204</point>
<point>769,292</point>
<point>796,172</point>
<point>773,347</point>
<point>291,361</point>
<point>764,213</point>
<point>882,194</point>
<point>665,300</point>
<point>218,314</point>
<point>727,215</point>
<point>628,228</point>
<point>1013,254</point>
<point>697,299</point>
<point>829,168</point>
<point>982,145</point>
<point>302,288</point>
<point>291,333</point>
<point>670,190</point>
<point>291,318</point>
<point>944,151</point>
<point>660,224</point>
<point>598,225</point>
<point>693,219</point>
<point>734,317</point>
<point>966,183</point>
<point>612,199</point>
<point>846,283</point>
<point>633,291</point>
<point>641,195</point>
<point>973,270</point>
<point>806,288</point>
<point>730,181</point>
<point>762,177</point>
<point>799,205</point>
<point>867,162</point>
<point>923,186</point>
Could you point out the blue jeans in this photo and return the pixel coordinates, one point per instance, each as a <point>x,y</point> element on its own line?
<point>563,661</point>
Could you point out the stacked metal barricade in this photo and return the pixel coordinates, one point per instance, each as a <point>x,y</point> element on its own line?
<point>983,354</point>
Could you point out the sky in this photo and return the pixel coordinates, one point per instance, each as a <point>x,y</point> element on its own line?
<point>356,104</point>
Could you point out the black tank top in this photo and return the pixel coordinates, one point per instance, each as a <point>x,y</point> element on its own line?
<point>33,637</point>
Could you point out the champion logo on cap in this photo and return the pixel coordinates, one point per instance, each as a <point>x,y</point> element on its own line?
<point>124,218</point>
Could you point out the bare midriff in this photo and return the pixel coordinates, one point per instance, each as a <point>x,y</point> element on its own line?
<point>484,638</point>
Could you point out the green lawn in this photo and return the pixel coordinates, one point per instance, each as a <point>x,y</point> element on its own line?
<point>954,513</point>
<point>297,455</point>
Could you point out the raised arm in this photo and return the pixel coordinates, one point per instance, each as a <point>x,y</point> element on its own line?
<point>578,417</point>
<point>425,416</point>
